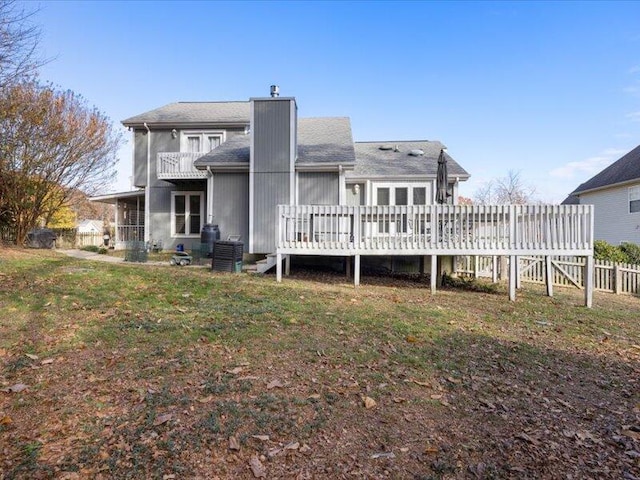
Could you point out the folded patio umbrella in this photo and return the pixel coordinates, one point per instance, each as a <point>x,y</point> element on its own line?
<point>441,179</point>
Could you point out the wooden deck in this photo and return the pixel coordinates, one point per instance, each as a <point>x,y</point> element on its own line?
<point>434,230</point>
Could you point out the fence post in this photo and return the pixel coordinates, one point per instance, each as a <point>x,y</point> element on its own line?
<point>617,275</point>
<point>588,281</point>
<point>549,274</point>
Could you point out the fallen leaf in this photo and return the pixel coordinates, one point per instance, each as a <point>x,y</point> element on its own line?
<point>454,380</point>
<point>368,402</point>
<point>263,438</point>
<point>436,396</point>
<point>235,371</point>
<point>399,400</point>
<point>17,388</point>
<point>422,384</point>
<point>431,449</point>
<point>206,399</point>
<point>162,419</point>
<point>31,356</point>
<point>47,361</point>
<point>631,434</point>
<point>411,339</point>
<point>292,446</point>
<point>304,448</point>
<point>233,443</point>
<point>314,396</point>
<point>257,468</point>
<point>274,384</point>
<point>6,420</point>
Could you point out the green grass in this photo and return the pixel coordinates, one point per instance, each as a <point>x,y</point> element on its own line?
<point>131,343</point>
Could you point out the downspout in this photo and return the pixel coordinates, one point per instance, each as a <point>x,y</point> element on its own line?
<point>209,195</point>
<point>147,190</point>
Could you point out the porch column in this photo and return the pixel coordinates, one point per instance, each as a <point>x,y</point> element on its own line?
<point>548,274</point>
<point>356,270</point>
<point>117,239</point>
<point>434,273</point>
<point>512,277</point>
<point>278,267</point>
<point>588,282</point>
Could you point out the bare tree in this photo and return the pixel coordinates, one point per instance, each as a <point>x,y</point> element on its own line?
<point>52,146</point>
<point>510,189</point>
<point>19,39</point>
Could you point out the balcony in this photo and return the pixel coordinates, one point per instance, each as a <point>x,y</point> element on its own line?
<point>179,166</point>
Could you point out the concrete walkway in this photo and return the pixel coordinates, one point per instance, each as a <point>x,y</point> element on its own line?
<point>84,255</point>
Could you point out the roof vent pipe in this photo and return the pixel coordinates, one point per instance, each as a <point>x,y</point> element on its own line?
<point>275,91</point>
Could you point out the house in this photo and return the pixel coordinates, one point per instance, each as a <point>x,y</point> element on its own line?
<point>94,227</point>
<point>300,187</point>
<point>615,194</point>
<point>231,164</point>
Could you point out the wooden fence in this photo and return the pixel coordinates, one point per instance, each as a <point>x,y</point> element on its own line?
<point>567,271</point>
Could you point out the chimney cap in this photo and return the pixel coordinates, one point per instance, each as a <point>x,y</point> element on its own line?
<point>275,91</point>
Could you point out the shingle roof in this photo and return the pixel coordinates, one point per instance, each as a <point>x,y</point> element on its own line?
<point>194,112</point>
<point>325,140</point>
<point>623,170</point>
<point>320,140</point>
<point>371,160</point>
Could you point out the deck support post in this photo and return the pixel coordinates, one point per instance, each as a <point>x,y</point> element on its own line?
<point>512,277</point>
<point>347,261</point>
<point>278,267</point>
<point>518,269</point>
<point>494,269</point>
<point>287,265</point>
<point>434,273</point>
<point>356,270</point>
<point>588,281</point>
<point>548,274</point>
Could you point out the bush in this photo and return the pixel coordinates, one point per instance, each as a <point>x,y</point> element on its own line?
<point>632,251</point>
<point>90,248</point>
<point>605,251</point>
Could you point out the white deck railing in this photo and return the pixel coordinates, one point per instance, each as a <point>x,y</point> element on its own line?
<point>435,229</point>
<point>178,165</point>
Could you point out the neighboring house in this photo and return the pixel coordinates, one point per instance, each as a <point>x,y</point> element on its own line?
<point>90,227</point>
<point>232,163</point>
<point>615,194</point>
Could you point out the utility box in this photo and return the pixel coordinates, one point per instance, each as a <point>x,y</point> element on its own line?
<point>227,256</point>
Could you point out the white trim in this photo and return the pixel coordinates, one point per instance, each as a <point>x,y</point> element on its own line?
<point>210,186</point>
<point>186,194</point>
<point>342,187</point>
<point>373,198</point>
<point>293,154</point>
<point>633,191</point>
<point>184,134</point>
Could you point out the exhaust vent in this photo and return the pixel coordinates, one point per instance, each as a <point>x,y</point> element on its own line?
<point>275,91</point>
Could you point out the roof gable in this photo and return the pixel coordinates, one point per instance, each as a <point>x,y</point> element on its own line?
<point>626,169</point>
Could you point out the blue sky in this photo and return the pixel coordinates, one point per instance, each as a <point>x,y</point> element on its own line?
<point>551,90</point>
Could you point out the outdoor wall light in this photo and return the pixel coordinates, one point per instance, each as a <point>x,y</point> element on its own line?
<point>356,189</point>
<point>174,133</point>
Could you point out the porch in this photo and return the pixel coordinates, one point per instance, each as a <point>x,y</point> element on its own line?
<point>179,166</point>
<point>436,230</point>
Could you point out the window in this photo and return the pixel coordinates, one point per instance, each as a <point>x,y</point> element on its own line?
<point>634,199</point>
<point>200,142</point>
<point>186,213</point>
<point>393,194</point>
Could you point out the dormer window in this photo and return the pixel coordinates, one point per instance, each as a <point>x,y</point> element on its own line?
<point>192,141</point>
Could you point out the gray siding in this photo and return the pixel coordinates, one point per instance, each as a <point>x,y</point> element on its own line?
<point>613,222</point>
<point>318,188</point>
<point>270,190</point>
<point>139,158</point>
<point>273,129</point>
<point>272,135</point>
<point>161,141</point>
<point>231,204</point>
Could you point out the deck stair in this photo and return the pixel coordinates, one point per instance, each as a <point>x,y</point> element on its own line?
<point>263,266</point>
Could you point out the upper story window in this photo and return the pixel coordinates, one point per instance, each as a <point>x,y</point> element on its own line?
<point>193,141</point>
<point>634,199</point>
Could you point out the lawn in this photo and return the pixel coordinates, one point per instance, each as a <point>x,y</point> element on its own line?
<point>141,371</point>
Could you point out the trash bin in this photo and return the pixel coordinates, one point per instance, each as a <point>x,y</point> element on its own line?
<point>180,247</point>
<point>210,235</point>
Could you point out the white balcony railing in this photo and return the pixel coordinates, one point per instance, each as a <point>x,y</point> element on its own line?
<point>435,229</point>
<point>178,165</point>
